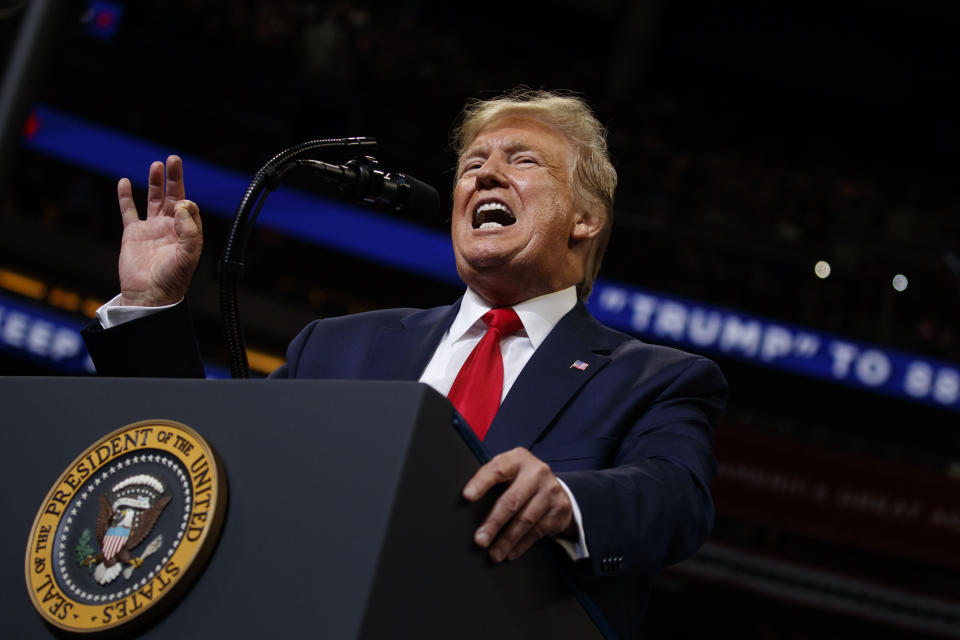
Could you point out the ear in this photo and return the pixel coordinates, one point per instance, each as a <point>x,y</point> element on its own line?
<point>587,224</point>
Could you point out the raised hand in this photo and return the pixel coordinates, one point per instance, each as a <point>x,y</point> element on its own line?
<point>533,506</point>
<point>158,255</point>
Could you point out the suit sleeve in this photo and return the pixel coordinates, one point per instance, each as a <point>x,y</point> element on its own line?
<point>653,507</point>
<point>295,352</point>
<point>160,345</point>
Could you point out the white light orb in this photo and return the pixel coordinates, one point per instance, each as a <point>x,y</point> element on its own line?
<point>900,282</point>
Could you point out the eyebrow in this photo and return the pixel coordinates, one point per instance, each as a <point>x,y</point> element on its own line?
<point>511,146</point>
<point>514,144</point>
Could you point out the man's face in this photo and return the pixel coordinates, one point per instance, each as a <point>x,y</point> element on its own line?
<point>515,222</point>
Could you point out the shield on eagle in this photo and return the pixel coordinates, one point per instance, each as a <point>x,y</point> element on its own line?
<point>114,539</point>
<point>123,524</point>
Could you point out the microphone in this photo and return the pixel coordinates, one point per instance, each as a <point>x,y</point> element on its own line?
<point>364,179</point>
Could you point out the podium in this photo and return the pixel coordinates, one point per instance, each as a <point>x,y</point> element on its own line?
<point>344,519</point>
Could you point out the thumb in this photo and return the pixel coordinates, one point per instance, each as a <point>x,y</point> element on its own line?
<point>186,221</point>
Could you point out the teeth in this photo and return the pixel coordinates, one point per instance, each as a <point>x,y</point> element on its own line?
<point>492,215</point>
<point>493,206</point>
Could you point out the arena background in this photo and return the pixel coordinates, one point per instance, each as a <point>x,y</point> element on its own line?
<point>756,144</point>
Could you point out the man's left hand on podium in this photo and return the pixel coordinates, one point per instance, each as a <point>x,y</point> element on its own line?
<point>533,506</point>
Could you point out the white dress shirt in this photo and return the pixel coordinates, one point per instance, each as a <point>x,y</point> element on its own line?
<point>112,313</point>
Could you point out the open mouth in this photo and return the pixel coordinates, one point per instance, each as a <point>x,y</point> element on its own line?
<point>492,215</point>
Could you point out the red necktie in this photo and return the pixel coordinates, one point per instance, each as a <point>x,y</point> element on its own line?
<point>476,391</point>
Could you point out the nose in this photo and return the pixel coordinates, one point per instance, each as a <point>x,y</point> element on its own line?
<point>490,175</point>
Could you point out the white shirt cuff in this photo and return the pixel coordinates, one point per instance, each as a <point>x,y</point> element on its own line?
<point>112,313</point>
<point>576,550</point>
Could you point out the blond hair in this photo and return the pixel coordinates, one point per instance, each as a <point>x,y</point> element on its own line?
<point>593,178</point>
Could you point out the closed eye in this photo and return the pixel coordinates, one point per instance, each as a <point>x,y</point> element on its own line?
<point>470,166</point>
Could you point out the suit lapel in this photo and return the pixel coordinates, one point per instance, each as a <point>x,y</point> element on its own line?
<point>402,352</point>
<point>548,381</point>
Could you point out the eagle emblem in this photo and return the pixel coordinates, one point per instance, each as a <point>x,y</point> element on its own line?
<point>123,523</point>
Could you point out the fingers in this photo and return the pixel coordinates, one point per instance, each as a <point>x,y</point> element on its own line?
<point>532,507</point>
<point>504,509</point>
<point>526,522</point>
<point>161,199</point>
<point>128,210</point>
<point>501,468</point>
<point>175,190</point>
<point>155,190</point>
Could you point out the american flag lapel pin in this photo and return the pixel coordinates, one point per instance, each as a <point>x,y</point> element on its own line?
<point>579,364</point>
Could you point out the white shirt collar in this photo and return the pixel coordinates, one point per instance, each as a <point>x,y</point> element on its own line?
<point>539,315</point>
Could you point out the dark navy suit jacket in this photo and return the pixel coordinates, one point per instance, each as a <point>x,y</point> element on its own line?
<point>631,434</point>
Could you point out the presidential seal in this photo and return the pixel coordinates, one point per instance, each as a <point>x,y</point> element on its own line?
<point>126,527</point>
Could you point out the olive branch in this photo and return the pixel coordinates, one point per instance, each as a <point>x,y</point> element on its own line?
<point>83,550</point>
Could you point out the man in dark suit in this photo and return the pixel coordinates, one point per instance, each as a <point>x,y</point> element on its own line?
<point>603,441</point>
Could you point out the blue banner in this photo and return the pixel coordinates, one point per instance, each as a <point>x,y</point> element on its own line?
<point>707,329</point>
<point>34,333</point>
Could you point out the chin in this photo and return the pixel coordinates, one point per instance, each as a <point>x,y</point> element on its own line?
<point>484,256</point>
